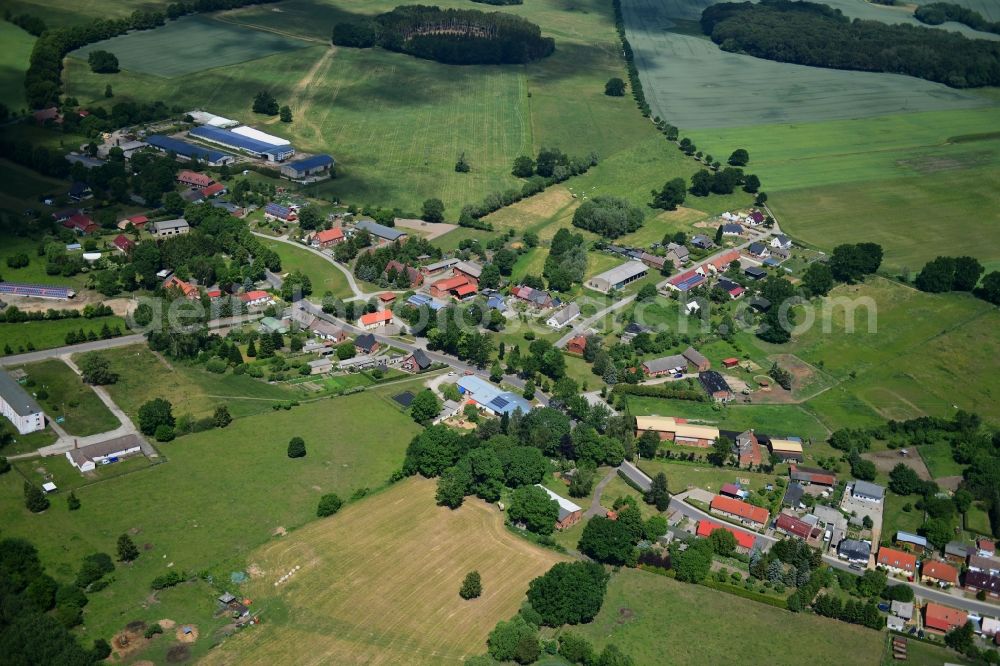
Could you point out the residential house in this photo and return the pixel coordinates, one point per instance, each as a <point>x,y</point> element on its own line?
<point>81,224</point>
<point>754,219</point>
<point>678,431</point>
<point>564,316</point>
<point>449,409</point>
<point>731,490</point>
<point>327,331</point>
<point>716,386</point>
<point>985,547</point>
<point>755,273</point>
<point>793,495</point>
<point>744,540</point>
<point>902,609</point>
<point>667,365</point>
<point>366,344</point>
<point>732,230</point>
<point>327,238</point>
<point>760,304</point>
<point>748,449</point>
<point>720,263</point>
<point>418,361</point>
<point>696,359</point>
<point>569,513</point>
<point>491,398</point>
<point>758,250</point>
<point>811,476</point>
<point>897,561</point>
<point>470,270</point>
<point>256,299</point>
<point>617,277</point>
<point>701,241</point>
<point>87,458</point>
<point>413,276</point>
<point>198,181</point>
<point>747,514</point>
<point>495,301</point>
<point>535,297</point>
<point>320,366</point>
<point>123,244</point>
<point>867,491</point>
<point>137,221</point>
<point>188,290</point>
<point>167,228</point>
<point>78,191</point>
<point>18,406</point>
<point>734,289</point>
<point>944,575</point>
<point>678,254</point>
<point>976,581</point>
<point>686,281</point>
<point>984,564</point>
<point>854,551</point>
<point>956,552</point>
<point>632,330</point>
<point>373,320</point>
<point>912,542</point>
<point>792,526</point>
<point>653,261</point>
<point>273,211</point>
<point>577,345</point>
<point>781,242</point>
<point>990,628</point>
<point>942,619</point>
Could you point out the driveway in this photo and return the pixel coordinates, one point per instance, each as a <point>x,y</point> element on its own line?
<point>595,504</point>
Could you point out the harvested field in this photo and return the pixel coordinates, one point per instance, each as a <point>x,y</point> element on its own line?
<point>886,460</point>
<point>378,584</point>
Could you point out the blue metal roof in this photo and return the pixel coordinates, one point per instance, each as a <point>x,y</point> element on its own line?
<point>239,141</point>
<point>311,162</point>
<point>185,149</point>
<point>493,397</point>
<point>277,210</point>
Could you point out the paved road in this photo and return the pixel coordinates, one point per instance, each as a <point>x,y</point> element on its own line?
<point>32,357</point>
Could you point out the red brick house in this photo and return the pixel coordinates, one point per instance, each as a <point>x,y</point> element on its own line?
<point>576,345</point>
<point>189,290</point>
<point>81,224</point>
<point>792,526</point>
<point>328,237</point>
<point>748,449</point>
<point>194,179</point>
<point>897,561</point>
<point>123,244</point>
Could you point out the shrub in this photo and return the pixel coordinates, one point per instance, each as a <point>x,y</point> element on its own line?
<point>472,586</point>
<point>329,504</point>
<point>296,448</point>
<point>164,433</point>
<point>168,579</point>
<point>153,629</point>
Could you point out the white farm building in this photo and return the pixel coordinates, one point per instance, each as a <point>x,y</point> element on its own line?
<point>19,407</point>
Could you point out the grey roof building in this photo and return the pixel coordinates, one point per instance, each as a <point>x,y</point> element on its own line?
<point>658,366</point>
<point>618,277</point>
<point>380,230</point>
<point>865,490</point>
<point>18,406</point>
<point>793,495</point>
<point>853,550</point>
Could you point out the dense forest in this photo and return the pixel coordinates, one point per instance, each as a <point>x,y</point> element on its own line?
<point>937,13</point>
<point>453,36</point>
<point>813,34</point>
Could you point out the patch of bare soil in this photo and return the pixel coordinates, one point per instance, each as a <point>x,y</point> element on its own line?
<point>255,571</point>
<point>167,624</point>
<point>625,615</point>
<point>429,230</point>
<point>130,640</point>
<point>949,482</point>
<point>886,460</point>
<point>187,633</point>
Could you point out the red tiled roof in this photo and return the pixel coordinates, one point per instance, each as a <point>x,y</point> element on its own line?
<point>174,282</point>
<point>255,295</point>
<point>730,489</point>
<point>329,235</point>
<point>214,293</point>
<point>730,361</point>
<point>722,263</point>
<point>891,557</point>
<point>387,297</point>
<point>213,189</point>
<point>940,571</point>
<point>743,539</point>
<point>451,283</point>
<point>376,317</point>
<point>194,178</point>
<point>986,545</point>
<point>793,525</point>
<point>137,220</point>
<point>80,222</point>
<point>943,618</point>
<point>122,243</point>
<point>741,509</point>
<point>465,289</point>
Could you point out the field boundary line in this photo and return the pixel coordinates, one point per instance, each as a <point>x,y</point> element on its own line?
<point>261,28</point>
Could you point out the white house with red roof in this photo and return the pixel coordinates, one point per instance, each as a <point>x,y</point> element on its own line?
<point>123,244</point>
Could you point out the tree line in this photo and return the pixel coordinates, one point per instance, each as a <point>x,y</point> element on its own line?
<point>630,66</point>
<point>452,36</point>
<point>813,34</point>
<point>42,82</point>
<point>959,274</point>
<point>937,13</point>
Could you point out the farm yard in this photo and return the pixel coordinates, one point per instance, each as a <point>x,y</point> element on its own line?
<point>386,604</point>
<point>209,505</point>
<point>649,616</point>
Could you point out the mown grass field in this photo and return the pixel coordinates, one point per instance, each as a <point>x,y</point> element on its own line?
<point>939,460</point>
<point>51,334</point>
<point>13,63</point>
<point>189,44</point>
<point>20,189</point>
<point>191,390</point>
<point>212,503</point>
<point>323,275</point>
<point>681,476</point>
<point>649,616</point>
<point>34,272</point>
<point>70,398</point>
<point>379,583</point>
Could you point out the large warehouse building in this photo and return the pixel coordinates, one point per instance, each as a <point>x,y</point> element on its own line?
<point>310,167</point>
<point>19,407</point>
<point>618,277</point>
<point>250,145</point>
<point>189,151</point>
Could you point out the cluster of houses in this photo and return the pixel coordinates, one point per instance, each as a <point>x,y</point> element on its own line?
<point>973,567</point>
<point>749,446</point>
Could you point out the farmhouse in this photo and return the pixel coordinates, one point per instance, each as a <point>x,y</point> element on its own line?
<point>373,320</point>
<point>702,241</point>
<point>940,573</point>
<point>747,514</point>
<point>86,458</point>
<point>327,331</point>
<point>199,181</point>
<point>383,233</point>
<point>256,299</point>
<point>912,542</point>
<point>273,211</point>
<point>320,366</point>
<point>563,317</point>
<point>676,430</point>
<point>123,244</point>
<point>686,281</point>
<point>366,344</point>
<point>653,261</point>
<point>535,297</point>
<point>942,619</point>
<point>667,365</point>
<point>167,228</point>
<point>811,476</point>
<point>896,561</point>
<point>785,449</point>
<point>302,317</point>
<point>246,140</point>
<point>696,359</point>
<point>189,151</point>
<point>188,290</point>
<point>569,513</point>
<point>81,224</point>
<point>327,237</point>
<point>470,270</point>
<point>577,345</point>
<point>678,254</point>
<point>19,407</point>
<point>758,250</point>
<point>744,540</point>
<point>418,361</point>
<point>748,449</point>
<point>732,230</point>
<point>716,386</point>
<point>854,551</point>
<point>792,526</point>
<point>309,167</point>
<point>618,277</point>
<point>733,289</point>
<point>413,276</point>
<point>490,398</point>
<point>438,266</point>
<point>867,491</point>
<point>137,221</point>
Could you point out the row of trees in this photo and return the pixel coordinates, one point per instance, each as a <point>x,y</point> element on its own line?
<point>959,274</point>
<point>813,34</point>
<point>630,66</point>
<point>936,13</point>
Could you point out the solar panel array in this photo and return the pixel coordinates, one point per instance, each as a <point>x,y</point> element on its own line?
<point>37,290</point>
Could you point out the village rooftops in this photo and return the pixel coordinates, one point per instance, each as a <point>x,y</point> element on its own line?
<point>743,510</point>
<point>943,618</point>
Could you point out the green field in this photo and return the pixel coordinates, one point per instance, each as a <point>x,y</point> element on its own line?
<point>20,190</point>
<point>681,476</point>
<point>13,63</point>
<point>192,390</point>
<point>51,334</point>
<point>939,460</point>
<point>204,42</point>
<point>70,398</point>
<point>649,616</point>
<point>60,13</point>
<point>213,502</point>
<point>324,275</point>
<point>692,83</point>
<point>895,519</point>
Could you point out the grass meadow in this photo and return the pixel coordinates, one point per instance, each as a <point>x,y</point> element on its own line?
<point>60,13</point>
<point>212,503</point>
<point>379,583</point>
<point>20,189</point>
<point>70,398</point>
<point>51,334</point>
<point>34,272</point>
<point>17,46</point>
<point>323,275</point>
<point>649,616</point>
